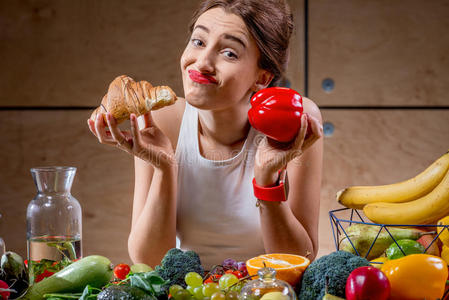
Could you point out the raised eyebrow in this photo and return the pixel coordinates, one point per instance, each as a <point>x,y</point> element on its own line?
<point>235,39</point>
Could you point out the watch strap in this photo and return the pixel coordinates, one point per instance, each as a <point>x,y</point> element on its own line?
<point>275,193</point>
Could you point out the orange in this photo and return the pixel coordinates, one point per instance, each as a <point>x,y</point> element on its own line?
<point>289,267</point>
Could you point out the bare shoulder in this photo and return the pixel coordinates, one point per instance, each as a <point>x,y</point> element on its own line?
<point>169,119</point>
<point>311,108</point>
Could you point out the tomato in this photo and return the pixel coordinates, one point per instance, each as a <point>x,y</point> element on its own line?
<point>121,270</point>
<point>238,274</point>
<point>5,294</point>
<point>207,280</point>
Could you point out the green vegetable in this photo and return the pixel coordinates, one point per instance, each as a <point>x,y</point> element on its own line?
<point>12,264</point>
<point>93,270</point>
<point>89,293</point>
<point>124,292</point>
<point>14,273</point>
<point>150,282</point>
<point>136,286</point>
<point>176,264</point>
<point>336,267</point>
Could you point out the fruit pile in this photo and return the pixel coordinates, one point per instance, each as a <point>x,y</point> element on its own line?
<point>223,282</point>
<point>423,199</point>
<point>410,234</point>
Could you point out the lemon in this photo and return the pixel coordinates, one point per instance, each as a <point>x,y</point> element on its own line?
<point>444,236</point>
<point>408,246</point>
<point>274,296</point>
<point>141,268</point>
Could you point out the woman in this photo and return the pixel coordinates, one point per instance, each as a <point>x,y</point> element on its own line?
<point>195,160</point>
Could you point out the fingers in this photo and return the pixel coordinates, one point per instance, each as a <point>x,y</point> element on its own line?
<point>149,122</point>
<point>302,133</point>
<point>316,132</point>
<point>135,132</point>
<point>103,136</point>
<point>118,138</point>
<point>91,125</point>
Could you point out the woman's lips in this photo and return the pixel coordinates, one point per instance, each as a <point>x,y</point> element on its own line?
<point>198,77</point>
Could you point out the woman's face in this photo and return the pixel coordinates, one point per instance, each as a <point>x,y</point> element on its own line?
<point>220,63</point>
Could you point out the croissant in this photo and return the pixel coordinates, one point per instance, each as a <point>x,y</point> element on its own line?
<point>125,96</point>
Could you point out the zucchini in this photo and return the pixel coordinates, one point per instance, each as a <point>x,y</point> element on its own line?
<point>93,270</point>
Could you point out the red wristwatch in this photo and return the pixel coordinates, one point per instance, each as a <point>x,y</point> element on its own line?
<point>275,193</point>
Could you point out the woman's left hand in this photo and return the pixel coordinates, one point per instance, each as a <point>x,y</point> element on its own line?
<point>272,156</point>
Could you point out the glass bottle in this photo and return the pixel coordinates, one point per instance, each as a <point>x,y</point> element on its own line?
<point>267,287</point>
<point>54,220</point>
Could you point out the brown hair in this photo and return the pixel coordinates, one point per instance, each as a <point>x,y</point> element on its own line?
<point>270,22</point>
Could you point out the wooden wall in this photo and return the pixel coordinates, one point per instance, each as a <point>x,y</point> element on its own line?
<point>389,63</point>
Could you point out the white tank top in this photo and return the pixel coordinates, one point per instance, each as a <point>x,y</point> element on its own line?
<point>217,215</point>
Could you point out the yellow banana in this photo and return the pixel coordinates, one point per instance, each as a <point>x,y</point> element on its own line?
<point>411,189</point>
<point>425,210</point>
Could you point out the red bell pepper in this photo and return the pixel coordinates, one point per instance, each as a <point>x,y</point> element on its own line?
<point>276,112</point>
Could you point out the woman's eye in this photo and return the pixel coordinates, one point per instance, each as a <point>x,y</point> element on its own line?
<point>230,54</point>
<point>197,42</point>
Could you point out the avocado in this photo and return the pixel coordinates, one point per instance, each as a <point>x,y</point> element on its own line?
<point>124,292</point>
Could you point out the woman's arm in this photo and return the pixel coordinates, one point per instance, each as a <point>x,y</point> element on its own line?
<point>153,230</point>
<point>292,226</point>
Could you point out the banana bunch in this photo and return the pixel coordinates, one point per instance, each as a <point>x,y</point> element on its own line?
<point>423,199</point>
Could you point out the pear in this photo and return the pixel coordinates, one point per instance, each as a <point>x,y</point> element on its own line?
<point>362,237</point>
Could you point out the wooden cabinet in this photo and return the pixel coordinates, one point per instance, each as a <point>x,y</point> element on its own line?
<point>65,53</point>
<point>379,53</point>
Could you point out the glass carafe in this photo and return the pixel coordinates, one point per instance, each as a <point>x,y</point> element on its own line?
<point>267,287</point>
<point>54,221</point>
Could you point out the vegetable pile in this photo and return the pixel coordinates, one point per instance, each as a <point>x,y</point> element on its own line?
<point>336,267</point>
<point>176,264</point>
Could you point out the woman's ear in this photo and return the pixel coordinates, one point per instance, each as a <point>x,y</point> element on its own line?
<point>263,80</point>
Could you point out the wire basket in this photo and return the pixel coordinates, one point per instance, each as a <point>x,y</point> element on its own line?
<point>341,218</point>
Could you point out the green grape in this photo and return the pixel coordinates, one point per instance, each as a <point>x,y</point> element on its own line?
<point>198,293</point>
<point>232,295</point>
<point>227,280</point>
<point>182,295</point>
<point>210,288</point>
<point>190,289</point>
<point>174,288</point>
<point>238,287</point>
<point>218,296</point>
<point>193,279</point>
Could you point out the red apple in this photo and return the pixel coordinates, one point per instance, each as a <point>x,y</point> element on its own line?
<point>367,283</point>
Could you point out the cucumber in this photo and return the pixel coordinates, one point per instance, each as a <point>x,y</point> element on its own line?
<point>94,270</point>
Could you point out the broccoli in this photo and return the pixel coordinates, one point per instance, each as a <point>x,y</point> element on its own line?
<point>336,267</point>
<point>176,264</point>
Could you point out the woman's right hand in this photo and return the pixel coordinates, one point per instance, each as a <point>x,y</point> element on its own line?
<point>149,143</point>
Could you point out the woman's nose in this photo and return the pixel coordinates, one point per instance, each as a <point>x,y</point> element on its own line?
<point>205,61</point>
